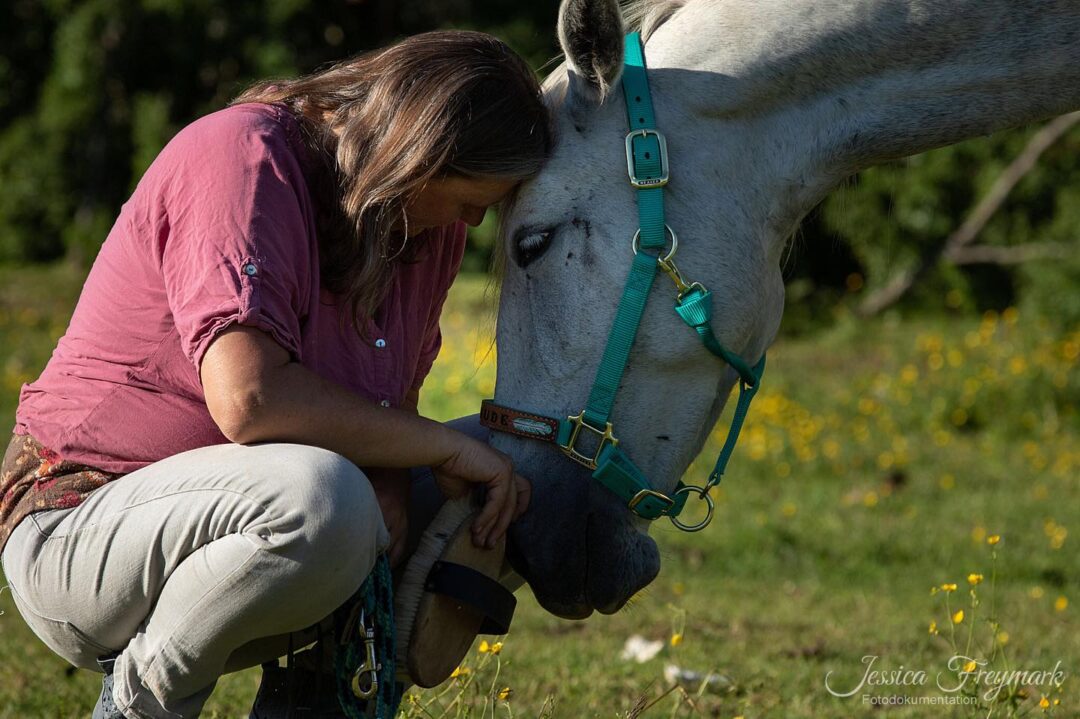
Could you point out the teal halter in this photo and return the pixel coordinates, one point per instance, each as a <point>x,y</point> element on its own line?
<point>647,166</point>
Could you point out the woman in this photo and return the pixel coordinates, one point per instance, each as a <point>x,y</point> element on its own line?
<point>209,368</point>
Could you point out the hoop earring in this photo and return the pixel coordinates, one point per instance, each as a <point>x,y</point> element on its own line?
<point>405,219</point>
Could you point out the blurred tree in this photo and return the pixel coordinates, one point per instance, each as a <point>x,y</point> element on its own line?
<point>92,89</point>
<point>894,223</point>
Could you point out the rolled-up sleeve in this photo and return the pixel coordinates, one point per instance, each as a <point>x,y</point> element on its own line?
<point>237,249</point>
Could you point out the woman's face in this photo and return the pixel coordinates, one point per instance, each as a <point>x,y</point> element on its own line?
<point>447,199</point>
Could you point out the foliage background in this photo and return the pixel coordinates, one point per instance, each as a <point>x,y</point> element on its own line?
<point>878,459</point>
<point>90,90</point>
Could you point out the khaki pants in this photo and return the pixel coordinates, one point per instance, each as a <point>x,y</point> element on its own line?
<point>203,563</point>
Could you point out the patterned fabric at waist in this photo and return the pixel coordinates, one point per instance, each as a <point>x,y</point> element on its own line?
<point>34,478</point>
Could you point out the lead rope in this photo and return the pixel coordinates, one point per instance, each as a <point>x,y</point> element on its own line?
<point>375,599</point>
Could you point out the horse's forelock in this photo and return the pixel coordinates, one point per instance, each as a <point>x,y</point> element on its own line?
<point>645,16</point>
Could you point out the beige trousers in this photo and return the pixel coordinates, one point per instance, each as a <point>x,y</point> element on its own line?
<point>203,563</point>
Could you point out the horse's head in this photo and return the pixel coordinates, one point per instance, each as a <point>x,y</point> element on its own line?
<point>567,240</point>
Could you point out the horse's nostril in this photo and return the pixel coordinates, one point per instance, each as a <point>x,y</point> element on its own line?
<point>530,243</point>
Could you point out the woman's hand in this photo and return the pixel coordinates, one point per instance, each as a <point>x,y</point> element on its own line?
<point>508,493</point>
<point>392,488</point>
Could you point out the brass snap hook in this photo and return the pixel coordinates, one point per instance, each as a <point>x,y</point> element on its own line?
<point>369,668</point>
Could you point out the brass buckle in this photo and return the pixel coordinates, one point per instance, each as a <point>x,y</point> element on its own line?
<point>642,494</point>
<point>604,434</point>
<point>664,170</point>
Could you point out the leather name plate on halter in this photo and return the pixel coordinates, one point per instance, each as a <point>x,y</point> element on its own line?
<point>523,424</point>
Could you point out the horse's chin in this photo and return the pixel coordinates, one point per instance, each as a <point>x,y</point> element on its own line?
<point>590,581</point>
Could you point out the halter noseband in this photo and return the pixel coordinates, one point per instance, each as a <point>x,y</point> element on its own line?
<point>647,166</point>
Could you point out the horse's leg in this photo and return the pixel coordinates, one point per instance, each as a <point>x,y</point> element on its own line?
<point>426,499</point>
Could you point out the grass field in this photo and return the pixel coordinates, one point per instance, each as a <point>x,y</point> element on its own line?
<point>879,466</point>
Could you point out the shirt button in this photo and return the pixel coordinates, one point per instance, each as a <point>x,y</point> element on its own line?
<point>250,269</point>
<point>380,342</point>
<point>385,403</point>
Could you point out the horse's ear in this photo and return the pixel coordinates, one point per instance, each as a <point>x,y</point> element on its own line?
<point>591,36</point>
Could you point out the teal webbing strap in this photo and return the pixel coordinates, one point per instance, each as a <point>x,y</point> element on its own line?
<point>746,393</point>
<point>695,309</point>
<point>618,473</point>
<point>635,82</point>
<point>647,164</point>
<point>620,339</point>
<point>645,150</point>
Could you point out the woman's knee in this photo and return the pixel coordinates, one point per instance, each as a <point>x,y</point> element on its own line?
<point>327,501</point>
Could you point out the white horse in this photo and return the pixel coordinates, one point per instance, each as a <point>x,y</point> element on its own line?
<point>766,106</point>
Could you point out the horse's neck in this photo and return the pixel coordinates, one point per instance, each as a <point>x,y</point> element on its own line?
<point>844,84</point>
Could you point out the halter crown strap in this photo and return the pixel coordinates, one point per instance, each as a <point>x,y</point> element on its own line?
<point>645,164</point>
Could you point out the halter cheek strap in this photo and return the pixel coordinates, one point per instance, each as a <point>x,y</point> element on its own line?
<point>648,171</point>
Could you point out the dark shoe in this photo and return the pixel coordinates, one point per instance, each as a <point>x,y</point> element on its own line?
<point>106,706</point>
<point>313,691</point>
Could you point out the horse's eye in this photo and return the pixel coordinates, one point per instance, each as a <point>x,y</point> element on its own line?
<point>530,243</point>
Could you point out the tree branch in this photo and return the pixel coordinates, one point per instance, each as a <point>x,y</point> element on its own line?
<point>1010,255</point>
<point>957,248</point>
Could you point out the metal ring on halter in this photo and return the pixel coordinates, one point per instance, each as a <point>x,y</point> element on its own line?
<point>674,243</point>
<point>708,517</point>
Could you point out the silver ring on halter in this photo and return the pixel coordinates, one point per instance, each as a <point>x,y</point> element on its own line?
<point>674,243</point>
<point>708,517</point>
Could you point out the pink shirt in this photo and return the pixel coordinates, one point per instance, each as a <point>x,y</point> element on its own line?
<point>220,230</point>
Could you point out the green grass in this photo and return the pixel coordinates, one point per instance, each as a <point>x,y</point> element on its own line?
<point>877,459</point>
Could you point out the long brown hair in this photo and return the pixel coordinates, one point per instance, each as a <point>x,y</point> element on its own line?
<point>380,125</point>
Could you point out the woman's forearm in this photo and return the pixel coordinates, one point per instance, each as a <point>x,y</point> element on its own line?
<point>295,404</point>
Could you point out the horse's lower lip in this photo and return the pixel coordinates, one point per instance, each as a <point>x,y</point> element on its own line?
<point>576,610</point>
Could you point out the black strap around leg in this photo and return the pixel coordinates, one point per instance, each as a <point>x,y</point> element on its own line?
<point>491,599</point>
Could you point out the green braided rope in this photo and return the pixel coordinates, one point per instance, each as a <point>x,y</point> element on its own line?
<point>377,596</point>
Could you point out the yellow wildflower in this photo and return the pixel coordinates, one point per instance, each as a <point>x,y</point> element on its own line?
<point>1003,637</point>
<point>1061,604</point>
<point>676,639</point>
<point>1044,703</point>
<point>948,587</point>
<point>993,539</point>
<point>505,693</point>
<point>958,617</point>
<point>496,647</point>
<point>970,666</point>
<point>484,647</point>
<point>974,579</point>
<point>933,628</point>
<point>460,672</point>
